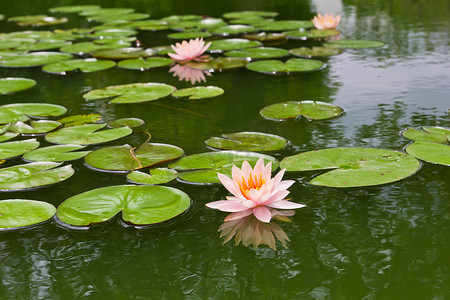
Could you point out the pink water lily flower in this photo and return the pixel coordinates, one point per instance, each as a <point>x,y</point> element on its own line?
<point>328,21</point>
<point>254,192</point>
<point>187,51</point>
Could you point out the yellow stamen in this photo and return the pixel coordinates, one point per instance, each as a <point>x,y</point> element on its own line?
<point>252,183</point>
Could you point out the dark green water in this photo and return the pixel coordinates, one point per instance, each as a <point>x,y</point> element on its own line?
<point>384,242</point>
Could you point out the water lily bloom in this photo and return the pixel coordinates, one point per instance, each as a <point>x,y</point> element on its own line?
<point>328,21</point>
<point>187,51</point>
<point>254,192</point>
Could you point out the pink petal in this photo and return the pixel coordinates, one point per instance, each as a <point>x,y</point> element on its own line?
<point>228,184</point>
<point>236,173</point>
<point>262,214</point>
<point>284,204</point>
<point>284,185</point>
<point>278,177</point>
<point>238,215</point>
<point>276,197</point>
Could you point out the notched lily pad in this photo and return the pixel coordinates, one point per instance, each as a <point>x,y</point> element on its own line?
<point>439,135</point>
<point>199,92</point>
<point>58,153</point>
<point>129,122</point>
<point>80,119</point>
<point>353,44</point>
<point>311,34</point>
<point>247,141</point>
<point>311,110</point>
<point>14,84</point>
<point>293,65</point>
<point>156,176</point>
<point>258,53</point>
<point>19,213</point>
<point>353,167</point>
<point>232,44</point>
<point>315,52</point>
<point>33,59</point>
<point>145,63</point>
<point>84,65</point>
<point>218,64</point>
<point>16,148</point>
<point>430,152</point>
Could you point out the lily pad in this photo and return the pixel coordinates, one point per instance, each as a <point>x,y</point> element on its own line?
<point>145,63</point>
<point>84,65</point>
<point>131,93</point>
<point>437,135</point>
<point>86,134</point>
<point>199,92</point>
<point>140,205</point>
<point>114,40</point>
<point>202,168</point>
<point>283,25</point>
<point>156,176</point>
<point>315,52</point>
<point>186,35</point>
<point>233,30</point>
<point>73,8</point>
<point>11,113</point>
<point>150,25</point>
<point>86,47</point>
<point>17,213</point>
<point>430,152</point>
<point>353,44</point>
<point>311,110</point>
<point>35,127</point>
<point>122,53</point>
<point>232,44</point>
<point>37,20</point>
<point>13,84</point>
<point>198,24</point>
<point>33,59</point>
<point>269,38</point>
<point>250,14</point>
<point>32,175</point>
<point>43,45</point>
<point>293,65</point>
<point>7,136</point>
<point>58,153</point>
<point>129,122</point>
<point>218,64</point>
<point>311,34</point>
<point>258,53</point>
<point>127,158</point>
<point>80,119</point>
<point>247,141</point>
<point>353,167</point>
<point>107,11</point>
<point>13,149</point>
<point>114,18</point>
<point>112,33</point>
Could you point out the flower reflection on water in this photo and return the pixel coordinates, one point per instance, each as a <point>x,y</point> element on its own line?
<point>189,74</point>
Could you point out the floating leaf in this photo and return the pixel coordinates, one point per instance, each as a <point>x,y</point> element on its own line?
<point>218,64</point>
<point>266,37</point>
<point>86,47</point>
<point>250,14</point>
<point>33,59</point>
<point>84,65</point>
<point>56,153</point>
<point>111,33</point>
<point>233,30</point>
<point>247,141</point>
<point>202,168</point>
<point>80,119</point>
<point>140,205</point>
<point>131,93</point>
<point>315,52</point>
<point>26,176</point>
<point>122,53</point>
<point>16,213</point>
<point>43,45</point>
<point>258,53</point>
<point>7,136</point>
<point>355,44</point>
<point>35,127</point>
<point>293,65</point>
<point>156,176</point>
<point>126,158</point>
<point>74,8</point>
<point>37,20</point>
<point>430,152</point>
<point>150,25</point>
<point>129,122</point>
<point>11,113</point>
<point>107,11</point>
<point>283,25</point>
<point>86,134</point>
<point>430,134</point>
<point>115,18</point>
<point>187,35</point>
<point>311,110</point>
<point>232,44</point>
<point>13,149</point>
<point>13,84</point>
<point>353,167</point>
<point>145,64</point>
<point>311,34</point>
<point>115,40</point>
<point>199,92</point>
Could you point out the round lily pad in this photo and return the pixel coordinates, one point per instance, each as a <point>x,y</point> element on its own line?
<point>218,64</point>
<point>7,136</point>
<point>37,20</point>
<point>33,59</point>
<point>199,92</point>
<point>353,167</point>
<point>35,127</point>
<point>284,25</point>
<point>32,175</point>
<point>233,30</point>
<point>115,18</point>
<point>11,113</point>
<point>80,119</point>
<point>129,122</point>
<point>131,93</point>
<point>110,33</point>
<point>315,52</point>
<point>250,14</point>
<point>18,213</point>
<point>187,35</point>
<point>13,84</point>
<point>247,141</point>
<point>86,47</point>
<point>311,34</point>
<point>232,44</point>
<point>293,65</point>
<point>265,37</point>
<point>115,40</point>
<point>150,25</point>
<point>353,44</point>
<point>156,176</point>
<point>311,110</point>
<point>84,65</point>
<point>202,168</point>
<point>430,152</point>
<point>429,134</point>
<point>122,53</point>
<point>87,134</point>
<point>107,11</point>
<point>13,149</point>
<point>42,45</point>
<point>258,53</point>
<point>127,158</point>
<point>73,8</point>
<point>197,24</point>
<point>56,153</point>
<point>140,205</point>
<point>145,63</point>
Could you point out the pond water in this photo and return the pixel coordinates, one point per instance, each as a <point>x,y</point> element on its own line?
<point>381,242</point>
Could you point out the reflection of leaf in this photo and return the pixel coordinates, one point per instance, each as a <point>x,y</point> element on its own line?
<point>19,212</point>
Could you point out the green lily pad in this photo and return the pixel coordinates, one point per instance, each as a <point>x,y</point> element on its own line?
<point>73,8</point>
<point>37,20</point>
<point>33,59</point>
<point>129,122</point>
<point>232,44</point>
<point>8,44</point>
<point>156,176</point>
<point>35,127</point>
<point>353,44</point>
<point>199,92</point>
<point>250,14</point>
<point>32,175</point>
<point>353,167</point>
<point>11,113</point>
<point>12,84</point>
<point>247,141</point>
<point>265,37</point>
<point>187,35</point>
<point>233,30</point>
<point>127,158</point>
<point>249,21</point>
<point>13,149</point>
<point>150,25</point>
<point>311,110</point>
<point>145,64</point>
<point>114,40</point>
<point>140,205</point>
<point>7,136</point>
<point>122,53</point>
<point>43,45</point>
<point>107,11</point>
<point>198,24</point>
<point>311,34</point>
<point>437,135</point>
<point>86,47</point>
<point>430,152</point>
<point>218,64</point>
<point>113,18</point>
<point>202,168</point>
<point>284,25</point>
<point>4,128</point>
<point>80,119</point>
<point>131,93</point>
<point>86,134</point>
<point>17,213</point>
<point>112,33</point>
<point>315,52</point>
<point>293,65</point>
<point>258,53</point>
<point>58,153</point>
<point>84,65</point>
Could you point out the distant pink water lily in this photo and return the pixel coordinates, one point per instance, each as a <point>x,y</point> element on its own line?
<point>254,192</point>
<point>187,51</point>
<point>328,21</point>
